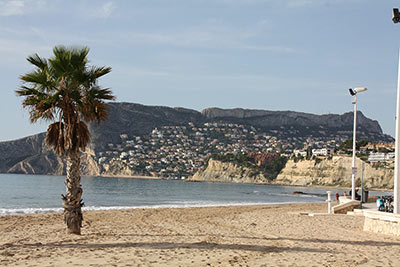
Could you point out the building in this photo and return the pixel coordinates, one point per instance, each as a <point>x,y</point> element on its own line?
<point>297,153</point>
<point>380,157</point>
<point>322,152</point>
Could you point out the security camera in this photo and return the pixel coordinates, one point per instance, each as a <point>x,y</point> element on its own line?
<point>396,15</point>
<point>359,89</point>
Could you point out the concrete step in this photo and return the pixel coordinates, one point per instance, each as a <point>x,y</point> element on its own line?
<point>345,207</point>
<point>356,212</point>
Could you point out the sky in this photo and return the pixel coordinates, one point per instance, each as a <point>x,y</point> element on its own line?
<point>299,55</point>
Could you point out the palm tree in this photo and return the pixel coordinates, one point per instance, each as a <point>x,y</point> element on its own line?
<point>63,90</point>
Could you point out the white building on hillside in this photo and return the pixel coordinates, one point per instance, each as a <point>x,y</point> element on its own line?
<point>322,152</point>
<point>380,157</point>
<point>297,152</point>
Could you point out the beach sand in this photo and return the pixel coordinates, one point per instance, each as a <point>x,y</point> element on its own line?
<point>213,236</point>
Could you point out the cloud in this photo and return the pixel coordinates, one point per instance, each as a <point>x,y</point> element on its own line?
<point>307,3</point>
<point>104,11</point>
<point>10,8</point>
<point>21,7</point>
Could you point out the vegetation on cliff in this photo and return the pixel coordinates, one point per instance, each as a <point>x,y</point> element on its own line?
<point>267,164</point>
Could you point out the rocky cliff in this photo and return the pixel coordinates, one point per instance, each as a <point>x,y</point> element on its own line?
<point>51,164</point>
<point>334,172</point>
<point>30,155</point>
<point>217,171</point>
<point>14,152</point>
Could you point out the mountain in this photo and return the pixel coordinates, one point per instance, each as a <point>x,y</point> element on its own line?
<point>136,120</point>
<point>305,123</point>
<point>31,155</point>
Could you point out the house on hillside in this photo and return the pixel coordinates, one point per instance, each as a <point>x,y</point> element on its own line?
<point>298,152</point>
<point>380,157</point>
<point>322,152</point>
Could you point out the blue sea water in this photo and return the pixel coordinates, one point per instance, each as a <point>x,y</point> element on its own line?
<point>24,194</point>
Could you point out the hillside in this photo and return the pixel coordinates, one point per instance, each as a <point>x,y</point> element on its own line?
<point>212,130</point>
<point>135,119</point>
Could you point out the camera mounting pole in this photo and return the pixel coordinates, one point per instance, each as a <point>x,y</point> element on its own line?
<point>396,187</point>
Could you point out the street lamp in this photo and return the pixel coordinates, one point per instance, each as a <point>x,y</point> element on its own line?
<point>354,92</point>
<point>396,187</point>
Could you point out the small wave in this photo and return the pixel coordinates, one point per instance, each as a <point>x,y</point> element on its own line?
<point>161,206</point>
<point>29,211</point>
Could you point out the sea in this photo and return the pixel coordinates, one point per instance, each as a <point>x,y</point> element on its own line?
<point>28,194</point>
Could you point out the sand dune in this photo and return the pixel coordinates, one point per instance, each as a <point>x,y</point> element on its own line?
<point>217,236</point>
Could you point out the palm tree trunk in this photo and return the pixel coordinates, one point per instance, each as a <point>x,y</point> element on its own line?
<point>72,200</point>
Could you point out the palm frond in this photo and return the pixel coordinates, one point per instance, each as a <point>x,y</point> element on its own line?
<point>38,61</point>
<point>79,58</point>
<point>93,105</point>
<point>82,136</point>
<point>37,77</point>
<point>100,71</point>
<point>55,137</point>
<point>63,87</point>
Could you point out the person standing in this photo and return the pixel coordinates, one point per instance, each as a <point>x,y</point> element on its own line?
<point>337,197</point>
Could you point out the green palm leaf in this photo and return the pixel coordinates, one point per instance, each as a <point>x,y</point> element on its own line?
<point>64,87</point>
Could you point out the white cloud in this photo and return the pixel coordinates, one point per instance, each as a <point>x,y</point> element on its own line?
<point>104,11</point>
<point>21,7</point>
<point>10,8</point>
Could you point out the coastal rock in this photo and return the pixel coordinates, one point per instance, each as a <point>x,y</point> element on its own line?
<point>335,172</point>
<point>117,168</point>
<point>51,164</point>
<point>217,171</point>
<point>16,151</point>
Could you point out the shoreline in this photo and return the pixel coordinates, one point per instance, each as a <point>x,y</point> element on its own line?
<point>292,185</point>
<point>215,236</point>
<point>57,210</point>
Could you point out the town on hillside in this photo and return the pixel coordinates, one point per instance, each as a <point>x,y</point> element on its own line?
<point>177,152</point>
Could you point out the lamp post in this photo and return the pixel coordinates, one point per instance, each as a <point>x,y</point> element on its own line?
<point>353,167</point>
<point>396,187</point>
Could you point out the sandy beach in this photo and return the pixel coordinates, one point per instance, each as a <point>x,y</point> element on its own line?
<point>213,236</point>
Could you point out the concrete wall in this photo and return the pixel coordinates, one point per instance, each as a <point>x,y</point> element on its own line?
<point>382,222</point>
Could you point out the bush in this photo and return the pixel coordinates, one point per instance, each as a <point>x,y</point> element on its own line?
<point>271,164</point>
<point>317,160</point>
